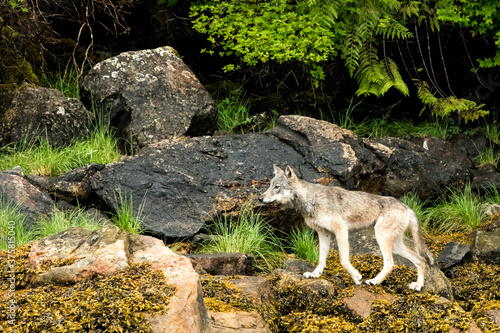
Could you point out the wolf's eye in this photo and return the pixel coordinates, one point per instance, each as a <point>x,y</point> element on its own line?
<point>276,187</point>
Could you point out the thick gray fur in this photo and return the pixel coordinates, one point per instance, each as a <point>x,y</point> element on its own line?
<point>334,210</point>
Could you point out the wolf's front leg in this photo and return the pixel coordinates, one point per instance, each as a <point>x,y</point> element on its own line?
<point>325,238</point>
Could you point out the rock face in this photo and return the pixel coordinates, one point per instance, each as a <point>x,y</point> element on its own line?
<point>30,199</point>
<point>31,112</point>
<point>409,167</point>
<point>452,254</point>
<point>485,246</point>
<point>187,181</point>
<point>71,187</point>
<point>109,250</point>
<point>150,95</point>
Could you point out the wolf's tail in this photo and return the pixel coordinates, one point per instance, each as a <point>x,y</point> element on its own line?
<point>420,246</point>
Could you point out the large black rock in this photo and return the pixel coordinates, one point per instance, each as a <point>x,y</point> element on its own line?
<point>185,182</point>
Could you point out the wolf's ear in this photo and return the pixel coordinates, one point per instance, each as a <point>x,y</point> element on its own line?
<point>277,170</point>
<point>290,174</point>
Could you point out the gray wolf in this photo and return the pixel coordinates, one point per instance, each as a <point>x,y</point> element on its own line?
<point>335,210</point>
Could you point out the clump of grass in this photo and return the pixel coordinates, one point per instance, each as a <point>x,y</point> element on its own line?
<point>487,156</point>
<point>303,243</point>
<point>13,228</point>
<point>418,205</point>
<point>248,233</point>
<point>125,218</point>
<point>233,112</point>
<point>461,210</point>
<point>40,158</point>
<point>60,221</point>
<point>67,82</point>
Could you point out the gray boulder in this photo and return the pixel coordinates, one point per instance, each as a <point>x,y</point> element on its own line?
<point>150,95</point>
<point>452,254</point>
<point>486,246</point>
<point>186,182</point>
<point>33,112</point>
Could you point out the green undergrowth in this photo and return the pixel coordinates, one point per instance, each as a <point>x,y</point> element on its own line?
<point>303,243</point>
<point>249,232</point>
<point>39,157</point>
<point>66,82</point>
<point>458,211</point>
<point>114,303</point>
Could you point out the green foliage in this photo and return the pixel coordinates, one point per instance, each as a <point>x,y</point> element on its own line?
<point>481,17</point>
<point>467,110</point>
<point>249,232</point>
<point>303,243</point>
<point>365,34</point>
<point>125,218</point>
<point>233,112</point>
<point>461,210</point>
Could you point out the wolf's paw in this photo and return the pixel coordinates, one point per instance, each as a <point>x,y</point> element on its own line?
<point>357,278</point>
<point>415,286</point>
<point>371,282</point>
<point>309,275</point>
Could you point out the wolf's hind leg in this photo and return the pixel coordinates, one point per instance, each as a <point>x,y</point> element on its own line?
<point>401,249</point>
<point>325,238</point>
<point>343,244</point>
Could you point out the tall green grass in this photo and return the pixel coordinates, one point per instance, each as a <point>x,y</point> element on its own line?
<point>63,220</point>
<point>304,244</point>
<point>248,233</point>
<point>40,158</point>
<point>67,82</point>
<point>13,225</point>
<point>125,218</point>
<point>233,112</point>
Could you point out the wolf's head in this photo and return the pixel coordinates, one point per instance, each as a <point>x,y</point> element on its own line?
<point>280,189</point>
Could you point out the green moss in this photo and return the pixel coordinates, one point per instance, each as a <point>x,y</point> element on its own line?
<point>99,304</point>
<point>13,67</point>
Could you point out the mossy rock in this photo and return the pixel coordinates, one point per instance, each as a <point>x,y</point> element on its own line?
<point>14,68</point>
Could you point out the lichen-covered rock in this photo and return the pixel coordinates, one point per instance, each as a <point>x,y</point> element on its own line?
<point>150,95</point>
<point>28,198</point>
<point>331,149</point>
<point>73,186</point>
<point>32,113</point>
<point>186,182</point>
<point>486,246</point>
